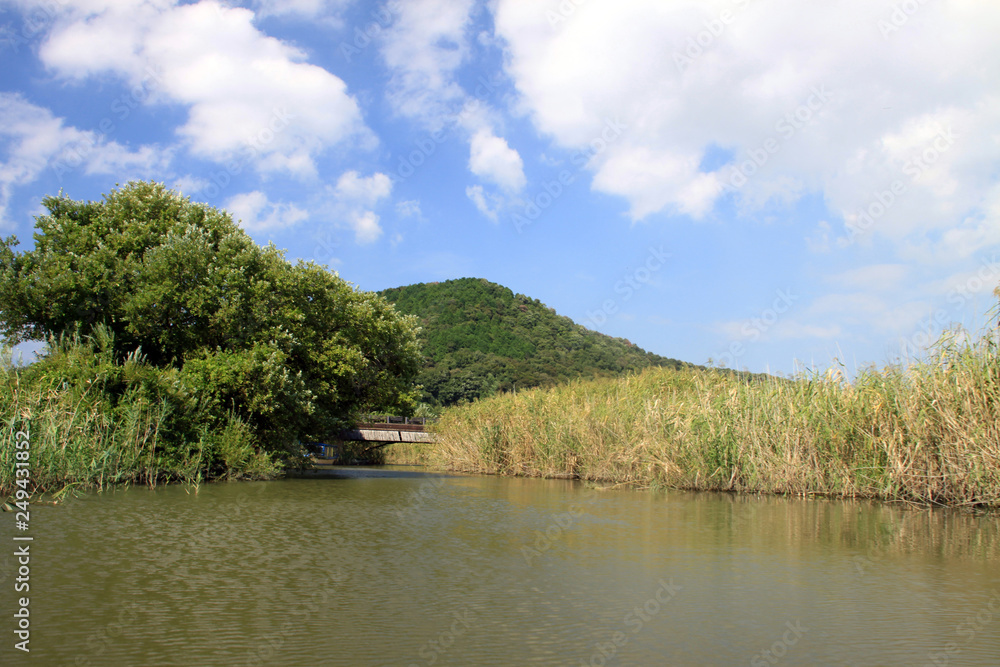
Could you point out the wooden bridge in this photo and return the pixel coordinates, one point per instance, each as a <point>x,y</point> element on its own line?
<point>389,429</point>
<point>377,432</point>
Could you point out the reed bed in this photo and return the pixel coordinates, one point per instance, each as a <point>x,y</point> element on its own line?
<point>73,442</point>
<point>82,435</point>
<point>927,433</point>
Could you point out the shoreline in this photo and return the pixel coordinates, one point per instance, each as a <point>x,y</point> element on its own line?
<point>347,471</point>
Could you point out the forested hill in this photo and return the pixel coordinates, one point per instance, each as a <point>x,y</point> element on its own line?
<point>480,337</point>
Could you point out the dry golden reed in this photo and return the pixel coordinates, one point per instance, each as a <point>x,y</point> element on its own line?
<point>927,433</point>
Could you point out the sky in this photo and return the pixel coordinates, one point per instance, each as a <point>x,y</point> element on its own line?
<point>768,185</point>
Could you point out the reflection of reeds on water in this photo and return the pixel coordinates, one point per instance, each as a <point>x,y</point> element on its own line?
<point>873,530</point>
<point>925,433</point>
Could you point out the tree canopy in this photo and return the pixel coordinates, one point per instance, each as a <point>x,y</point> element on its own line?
<point>291,349</point>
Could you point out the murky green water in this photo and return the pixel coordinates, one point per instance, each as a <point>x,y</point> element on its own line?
<point>394,567</point>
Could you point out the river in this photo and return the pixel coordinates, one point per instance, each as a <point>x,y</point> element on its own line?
<point>396,566</point>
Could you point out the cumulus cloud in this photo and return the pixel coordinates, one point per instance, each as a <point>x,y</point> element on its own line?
<point>424,50</point>
<point>806,98</point>
<point>653,180</point>
<point>34,140</point>
<point>771,105</point>
<point>255,212</point>
<point>366,227</point>
<point>189,184</point>
<point>363,191</point>
<point>490,157</point>
<point>249,96</point>
<point>486,203</point>
<point>353,198</point>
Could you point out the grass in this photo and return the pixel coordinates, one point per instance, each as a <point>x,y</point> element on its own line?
<point>93,424</point>
<point>926,433</point>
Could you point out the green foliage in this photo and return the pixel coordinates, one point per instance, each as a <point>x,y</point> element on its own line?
<point>480,338</point>
<point>95,420</point>
<point>292,352</point>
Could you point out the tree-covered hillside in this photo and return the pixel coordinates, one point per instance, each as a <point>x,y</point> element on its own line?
<point>480,338</point>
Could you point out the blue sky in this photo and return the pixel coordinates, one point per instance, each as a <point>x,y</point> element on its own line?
<point>764,183</point>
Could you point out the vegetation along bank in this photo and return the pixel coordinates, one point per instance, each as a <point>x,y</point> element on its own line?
<point>926,433</point>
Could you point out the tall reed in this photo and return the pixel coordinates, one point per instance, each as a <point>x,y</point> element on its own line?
<point>928,432</point>
<point>94,423</point>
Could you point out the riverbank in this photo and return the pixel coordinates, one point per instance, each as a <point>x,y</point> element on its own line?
<point>928,433</point>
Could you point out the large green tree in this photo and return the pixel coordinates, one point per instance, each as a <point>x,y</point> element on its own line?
<point>292,349</point>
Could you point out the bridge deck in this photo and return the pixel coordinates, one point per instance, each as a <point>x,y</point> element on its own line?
<point>389,429</point>
<point>381,433</point>
<point>386,435</point>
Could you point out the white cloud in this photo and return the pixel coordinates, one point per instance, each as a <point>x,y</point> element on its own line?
<point>819,241</point>
<point>255,212</point>
<point>815,93</point>
<point>409,209</point>
<point>352,200</point>
<point>363,191</point>
<point>653,181</point>
<point>488,204</point>
<point>349,203</point>
<point>366,227</point>
<point>329,11</point>
<point>423,49</point>
<point>188,184</point>
<point>34,140</point>
<point>249,96</point>
<point>898,136</point>
<point>969,283</point>
<point>490,157</point>
<point>754,331</point>
<point>110,157</point>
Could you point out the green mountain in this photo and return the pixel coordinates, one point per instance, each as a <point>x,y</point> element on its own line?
<point>480,338</point>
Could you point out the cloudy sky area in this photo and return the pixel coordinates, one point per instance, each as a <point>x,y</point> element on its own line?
<point>762,183</point>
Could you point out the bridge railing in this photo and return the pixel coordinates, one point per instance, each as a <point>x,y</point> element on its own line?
<point>393,419</point>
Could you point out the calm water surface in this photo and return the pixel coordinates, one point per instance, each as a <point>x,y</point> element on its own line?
<point>394,566</point>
